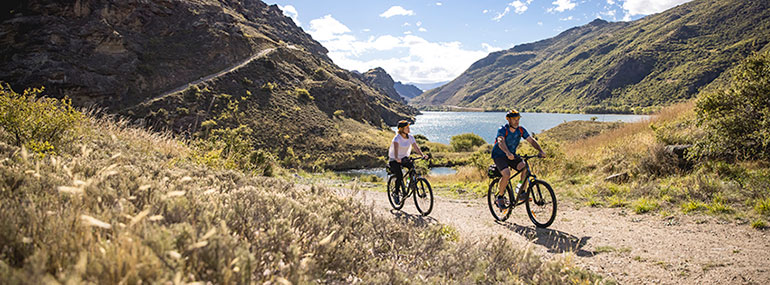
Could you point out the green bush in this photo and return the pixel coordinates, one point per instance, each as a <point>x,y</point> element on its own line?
<point>39,123</point>
<point>303,94</point>
<point>339,113</point>
<point>736,120</point>
<point>466,142</point>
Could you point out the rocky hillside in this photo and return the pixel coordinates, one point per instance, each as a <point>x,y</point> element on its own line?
<point>249,66</point>
<point>407,91</point>
<point>380,80</point>
<point>615,67</point>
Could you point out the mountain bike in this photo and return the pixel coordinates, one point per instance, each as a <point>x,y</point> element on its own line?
<point>538,197</point>
<point>415,184</point>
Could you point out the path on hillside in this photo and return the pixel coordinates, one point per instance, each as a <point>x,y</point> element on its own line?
<point>616,243</point>
<point>227,70</point>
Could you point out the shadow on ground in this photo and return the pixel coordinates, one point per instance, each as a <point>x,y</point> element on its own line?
<point>555,241</point>
<point>417,220</point>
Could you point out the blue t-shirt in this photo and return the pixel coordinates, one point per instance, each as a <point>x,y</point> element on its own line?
<point>511,141</point>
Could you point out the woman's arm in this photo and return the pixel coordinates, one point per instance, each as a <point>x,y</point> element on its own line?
<point>395,151</point>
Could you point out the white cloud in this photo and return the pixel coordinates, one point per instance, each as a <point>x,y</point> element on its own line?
<point>366,30</point>
<point>412,58</point>
<point>626,17</point>
<point>419,23</point>
<point>646,7</point>
<point>519,7</point>
<point>501,15</point>
<point>485,11</point>
<point>611,2</point>
<point>439,3</point>
<point>566,19</point>
<point>408,33</point>
<point>562,5</point>
<point>326,28</point>
<point>539,23</point>
<point>406,24</point>
<point>291,12</point>
<point>396,11</point>
<point>421,29</point>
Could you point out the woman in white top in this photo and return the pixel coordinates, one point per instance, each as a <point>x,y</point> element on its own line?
<point>400,148</point>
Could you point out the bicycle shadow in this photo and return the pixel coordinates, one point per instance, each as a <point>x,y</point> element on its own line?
<point>555,241</point>
<point>416,220</point>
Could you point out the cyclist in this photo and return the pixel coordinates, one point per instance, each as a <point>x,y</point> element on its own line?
<point>399,149</point>
<point>504,153</point>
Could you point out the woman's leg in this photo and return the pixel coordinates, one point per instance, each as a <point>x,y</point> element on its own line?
<point>395,168</point>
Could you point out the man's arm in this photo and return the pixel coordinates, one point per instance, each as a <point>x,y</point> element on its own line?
<point>504,147</point>
<point>534,144</point>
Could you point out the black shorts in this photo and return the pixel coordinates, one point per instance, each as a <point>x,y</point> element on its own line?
<point>503,162</point>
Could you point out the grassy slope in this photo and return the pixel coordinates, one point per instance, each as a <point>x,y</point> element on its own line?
<point>123,205</point>
<point>654,61</point>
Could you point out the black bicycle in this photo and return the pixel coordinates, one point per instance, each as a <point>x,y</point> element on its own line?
<point>538,197</point>
<point>415,184</point>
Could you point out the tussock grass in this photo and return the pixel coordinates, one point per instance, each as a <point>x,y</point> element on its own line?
<point>129,206</point>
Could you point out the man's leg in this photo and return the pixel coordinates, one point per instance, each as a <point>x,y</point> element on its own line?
<point>504,181</point>
<point>523,175</point>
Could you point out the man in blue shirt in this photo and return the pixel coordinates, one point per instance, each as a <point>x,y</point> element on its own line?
<point>504,153</point>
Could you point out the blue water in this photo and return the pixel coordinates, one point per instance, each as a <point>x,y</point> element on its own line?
<point>440,126</point>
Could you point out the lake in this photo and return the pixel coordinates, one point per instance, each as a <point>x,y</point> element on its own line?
<point>440,126</point>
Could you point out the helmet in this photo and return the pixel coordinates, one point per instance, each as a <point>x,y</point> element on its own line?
<point>403,123</point>
<point>512,114</point>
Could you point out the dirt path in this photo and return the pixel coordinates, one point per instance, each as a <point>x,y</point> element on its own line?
<point>621,245</point>
<point>227,70</point>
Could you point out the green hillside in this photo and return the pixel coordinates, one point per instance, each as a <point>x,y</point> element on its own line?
<point>615,67</point>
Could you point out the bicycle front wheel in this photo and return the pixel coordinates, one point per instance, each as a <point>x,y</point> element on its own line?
<point>502,210</point>
<point>541,204</point>
<point>396,203</point>
<point>423,196</point>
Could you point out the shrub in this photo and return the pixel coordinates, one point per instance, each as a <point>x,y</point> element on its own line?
<point>269,86</point>
<point>303,94</point>
<point>644,205</point>
<point>39,123</point>
<point>759,224</point>
<point>736,120</point>
<point>339,113</point>
<point>691,206</point>
<point>466,142</point>
<point>762,206</point>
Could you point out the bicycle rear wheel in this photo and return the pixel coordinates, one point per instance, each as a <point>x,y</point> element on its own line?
<point>423,196</point>
<point>391,190</point>
<point>500,213</point>
<point>541,205</point>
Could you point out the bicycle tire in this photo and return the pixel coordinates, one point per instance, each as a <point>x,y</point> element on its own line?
<point>423,196</point>
<point>500,214</point>
<point>539,193</point>
<point>391,188</point>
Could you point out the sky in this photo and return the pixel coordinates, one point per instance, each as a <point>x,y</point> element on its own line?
<point>421,41</point>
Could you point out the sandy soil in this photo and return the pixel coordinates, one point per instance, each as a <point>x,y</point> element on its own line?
<point>618,244</point>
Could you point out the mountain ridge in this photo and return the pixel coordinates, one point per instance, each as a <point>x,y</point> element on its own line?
<point>614,67</point>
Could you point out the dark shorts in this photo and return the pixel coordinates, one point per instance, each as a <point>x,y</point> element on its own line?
<point>503,162</point>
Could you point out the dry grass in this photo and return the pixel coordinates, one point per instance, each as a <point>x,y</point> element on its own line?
<point>129,206</point>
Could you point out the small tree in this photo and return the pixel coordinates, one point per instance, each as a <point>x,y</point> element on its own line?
<point>40,123</point>
<point>466,142</point>
<point>736,120</point>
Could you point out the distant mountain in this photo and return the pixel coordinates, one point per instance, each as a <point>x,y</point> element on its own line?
<point>380,80</point>
<point>615,67</point>
<point>407,91</point>
<point>428,86</point>
<point>175,64</point>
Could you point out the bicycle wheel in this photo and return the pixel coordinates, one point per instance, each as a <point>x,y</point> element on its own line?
<point>541,207</point>
<point>423,196</point>
<point>500,213</point>
<point>392,189</point>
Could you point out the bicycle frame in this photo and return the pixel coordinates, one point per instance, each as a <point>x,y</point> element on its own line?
<point>529,178</point>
